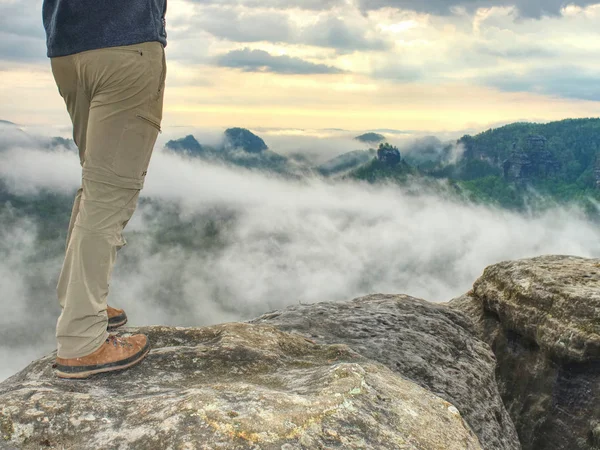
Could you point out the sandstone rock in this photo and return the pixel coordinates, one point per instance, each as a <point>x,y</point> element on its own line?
<point>552,300</point>
<point>244,139</point>
<point>541,316</point>
<point>425,342</point>
<point>231,386</point>
<point>389,155</point>
<point>188,144</point>
<point>533,161</point>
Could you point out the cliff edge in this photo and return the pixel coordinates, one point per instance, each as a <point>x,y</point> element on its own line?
<point>514,363</point>
<point>541,317</point>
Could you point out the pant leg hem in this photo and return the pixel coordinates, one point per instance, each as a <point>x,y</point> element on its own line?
<point>85,352</point>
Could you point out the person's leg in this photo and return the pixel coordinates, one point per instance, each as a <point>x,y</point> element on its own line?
<point>78,107</point>
<point>90,257</point>
<point>74,212</point>
<point>125,86</point>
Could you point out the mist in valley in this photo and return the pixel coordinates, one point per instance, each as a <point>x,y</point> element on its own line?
<point>211,244</point>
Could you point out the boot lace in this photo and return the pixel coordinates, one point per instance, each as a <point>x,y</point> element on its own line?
<point>116,341</point>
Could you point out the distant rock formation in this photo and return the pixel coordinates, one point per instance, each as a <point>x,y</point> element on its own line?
<point>187,144</point>
<point>244,139</point>
<point>536,144</point>
<point>370,138</point>
<point>389,155</point>
<point>57,141</point>
<point>533,161</point>
<point>542,318</point>
<point>240,148</point>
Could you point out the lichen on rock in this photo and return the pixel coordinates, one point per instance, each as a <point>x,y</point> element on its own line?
<point>230,386</point>
<point>428,343</point>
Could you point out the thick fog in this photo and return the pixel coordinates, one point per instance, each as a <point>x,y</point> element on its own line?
<point>273,243</point>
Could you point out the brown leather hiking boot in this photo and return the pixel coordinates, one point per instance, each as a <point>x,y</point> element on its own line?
<point>116,318</point>
<point>115,354</point>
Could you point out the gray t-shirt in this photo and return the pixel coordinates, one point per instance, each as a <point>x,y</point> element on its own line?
<point>74,26</point>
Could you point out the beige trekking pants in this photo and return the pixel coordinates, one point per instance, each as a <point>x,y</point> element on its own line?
<point>115,99</point>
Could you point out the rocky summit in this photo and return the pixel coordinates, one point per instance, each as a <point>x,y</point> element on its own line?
<point>514,363</point>
<point>231,386</point>
<point>427,343</point>
<point>541,317</point>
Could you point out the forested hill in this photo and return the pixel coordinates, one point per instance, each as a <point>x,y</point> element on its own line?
<point>566,151</point>
<point>580,134</point>
<point>522,166</point>
<point>519,166</point>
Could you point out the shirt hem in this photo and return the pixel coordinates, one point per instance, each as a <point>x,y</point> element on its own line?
<point>55,53</point>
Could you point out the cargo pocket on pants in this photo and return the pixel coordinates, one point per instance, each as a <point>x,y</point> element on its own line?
<point>151,122</point>
<point>135,148</point>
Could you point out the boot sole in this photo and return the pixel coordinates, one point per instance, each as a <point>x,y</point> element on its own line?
<point>113,326</point>
<point>81,372</point>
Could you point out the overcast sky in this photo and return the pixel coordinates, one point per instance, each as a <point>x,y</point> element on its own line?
<point>425,65</point>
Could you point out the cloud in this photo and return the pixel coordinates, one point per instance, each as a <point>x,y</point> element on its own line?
<point>35,162</point>
<point>334,33</point>
<point>22,48</point>
<point>546,57</point>
<point>349,33</point>
<point>314,147</point>
<point>311,5</point>
<point>22,35</point>
<point>25,335</point>
<point>527,8</point>
<point>563,81</point>
<point>246,26</point>
<point>210,244</point>
<point>11,135</point>
<point>22,18</point>
<point>261,61</point>
<point>400,72</point>
<point>500,49</point>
